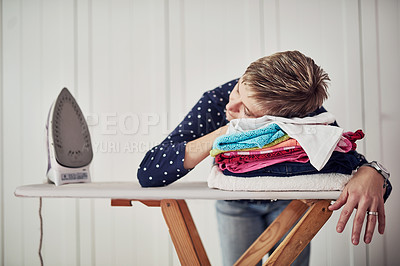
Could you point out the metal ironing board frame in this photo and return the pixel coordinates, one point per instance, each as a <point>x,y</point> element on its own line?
<point>309,206</point>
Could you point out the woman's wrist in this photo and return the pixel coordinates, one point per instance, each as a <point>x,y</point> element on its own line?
<point>381,170</point>
<point>371,175</point>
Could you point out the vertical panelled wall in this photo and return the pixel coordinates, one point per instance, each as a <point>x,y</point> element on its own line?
<point>136,67</point>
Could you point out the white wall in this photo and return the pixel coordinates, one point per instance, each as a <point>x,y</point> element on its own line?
<point>152,60</point>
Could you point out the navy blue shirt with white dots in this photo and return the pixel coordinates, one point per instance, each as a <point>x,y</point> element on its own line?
<point>163,164</point>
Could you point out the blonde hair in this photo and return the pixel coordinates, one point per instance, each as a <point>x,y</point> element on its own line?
<point>287,84</point>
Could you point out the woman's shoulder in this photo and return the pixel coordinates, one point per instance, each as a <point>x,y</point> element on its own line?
<point>220,94</point>
<point>224,88</point>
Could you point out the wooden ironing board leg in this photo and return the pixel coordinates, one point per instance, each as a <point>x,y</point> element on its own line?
<point>301,234</point>
<point>273,233</point>
<point>184,235</point>
<point>183,232</point>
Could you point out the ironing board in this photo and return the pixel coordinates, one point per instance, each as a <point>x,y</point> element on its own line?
<point>311,207</point>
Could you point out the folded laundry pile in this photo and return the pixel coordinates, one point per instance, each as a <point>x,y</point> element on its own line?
<point>280,147</point>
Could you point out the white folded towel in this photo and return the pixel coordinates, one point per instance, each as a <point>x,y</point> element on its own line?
<point>314,182</point>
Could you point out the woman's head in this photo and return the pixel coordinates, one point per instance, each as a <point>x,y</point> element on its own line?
<point>287,84</point>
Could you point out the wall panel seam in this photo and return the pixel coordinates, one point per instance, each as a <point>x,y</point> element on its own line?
<point>278,25</point>
<point>167,61</point>
<point>167,75</point>
<point>262,27</point>
<point>183,50</point>
<point>378,75</point>
<point>21,119</point>
<point>360,37</point>
<point>75,34</point>
<point>90,56</point>
<point>76,91</point>
<point>1,140</point>
<point>90,84</point>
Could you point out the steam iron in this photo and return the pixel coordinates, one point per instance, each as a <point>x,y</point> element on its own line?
<point>69,149</point>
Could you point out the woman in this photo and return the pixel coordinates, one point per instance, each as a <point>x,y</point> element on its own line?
<point>287,84</point>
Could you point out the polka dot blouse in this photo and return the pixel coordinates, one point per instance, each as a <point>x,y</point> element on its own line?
<point>163,164</point>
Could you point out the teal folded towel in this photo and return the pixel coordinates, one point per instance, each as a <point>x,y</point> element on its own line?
<point>249,139</point>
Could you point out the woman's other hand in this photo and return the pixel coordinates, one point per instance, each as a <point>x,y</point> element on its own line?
<point>364,192</point>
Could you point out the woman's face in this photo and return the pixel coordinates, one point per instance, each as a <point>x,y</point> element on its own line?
<point>240,105</point>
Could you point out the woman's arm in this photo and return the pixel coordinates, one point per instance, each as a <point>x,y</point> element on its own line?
<point>197,150</point>
<point>189,143</point>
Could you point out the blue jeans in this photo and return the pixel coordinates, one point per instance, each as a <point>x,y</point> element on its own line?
<point>339,162</point>
<point>241,222</point>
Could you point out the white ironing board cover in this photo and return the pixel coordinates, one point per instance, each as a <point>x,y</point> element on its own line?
<point>177,190</point>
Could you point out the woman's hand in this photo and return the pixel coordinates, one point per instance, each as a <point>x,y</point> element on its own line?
<point>365,193</point>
